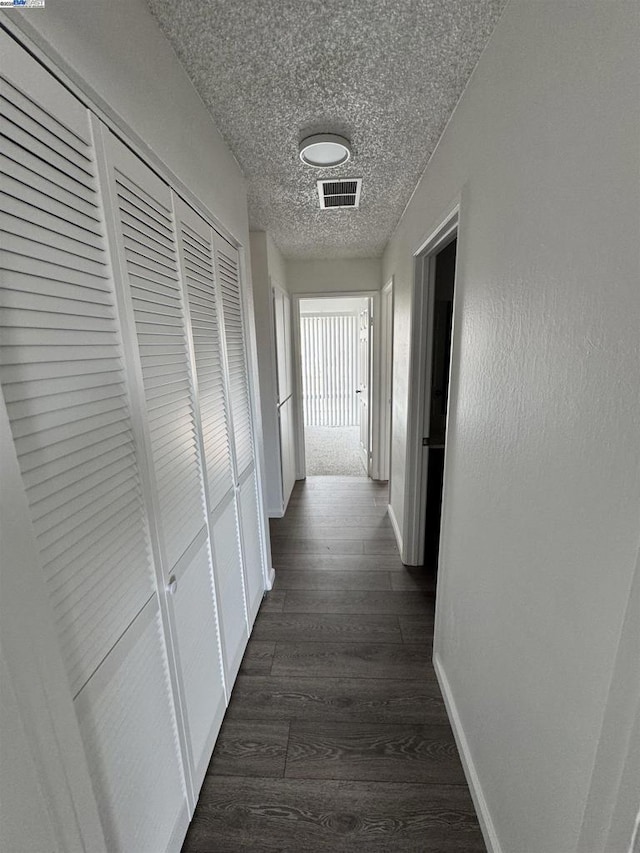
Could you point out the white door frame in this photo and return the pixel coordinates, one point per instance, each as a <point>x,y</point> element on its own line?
<point>419,371</point>
<point>365,323</point>
<point>374,384</point>
<point>381,469</point>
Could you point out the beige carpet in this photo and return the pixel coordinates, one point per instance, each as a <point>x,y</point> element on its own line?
<point>333,451</point>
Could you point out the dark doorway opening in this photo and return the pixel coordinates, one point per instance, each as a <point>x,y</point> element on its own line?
<point>442,320</point>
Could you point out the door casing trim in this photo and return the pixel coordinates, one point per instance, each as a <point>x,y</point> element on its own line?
<point>419,368</point>
<point>374,372</point>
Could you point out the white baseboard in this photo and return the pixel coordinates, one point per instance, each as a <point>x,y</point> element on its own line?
<point>479,801</point>
<point>275,513</point>
<point>394,524</point>
<point>271,577</point>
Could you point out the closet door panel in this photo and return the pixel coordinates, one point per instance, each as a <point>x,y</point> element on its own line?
<point>127,724</point>
<point>160,254</point>
<point>228,563</point>
<point>61,371</point>
<point>198,640</point>
<point>62,376</point>
<point>252,545</point>
<point>196,252</point>
<point>228,270</point>
<point>149,260</point>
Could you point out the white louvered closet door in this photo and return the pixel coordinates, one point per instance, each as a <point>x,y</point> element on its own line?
<point>196,245</point>
<point>148,253</point>
<point>61,370</point>
<point>150,264</point>
<point>228,272</point>
<point>196,254</point>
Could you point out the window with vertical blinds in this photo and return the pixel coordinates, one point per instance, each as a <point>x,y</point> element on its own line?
<point>62,379</point>
<point>196,245</point>
<point>329,356</point>
<point>228,268</point>
<point>146,228</point>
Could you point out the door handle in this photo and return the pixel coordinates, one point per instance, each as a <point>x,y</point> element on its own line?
<point>358,391</point>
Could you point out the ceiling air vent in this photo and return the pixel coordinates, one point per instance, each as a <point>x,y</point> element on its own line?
<point>334,194</point>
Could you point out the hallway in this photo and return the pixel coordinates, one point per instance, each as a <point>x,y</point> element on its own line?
<point>336,737</point>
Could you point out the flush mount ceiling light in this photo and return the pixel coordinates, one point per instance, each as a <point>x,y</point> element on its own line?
<point>324,150</point>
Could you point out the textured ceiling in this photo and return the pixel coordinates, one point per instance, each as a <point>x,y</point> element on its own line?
<point>385,73</point>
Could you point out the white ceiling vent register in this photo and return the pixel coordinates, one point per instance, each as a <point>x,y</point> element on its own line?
<point>335,194</point>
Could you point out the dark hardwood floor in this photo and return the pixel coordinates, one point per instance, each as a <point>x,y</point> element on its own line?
<point>336,737</point>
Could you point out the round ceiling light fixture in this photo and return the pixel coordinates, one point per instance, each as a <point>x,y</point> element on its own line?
<point>324,150</point>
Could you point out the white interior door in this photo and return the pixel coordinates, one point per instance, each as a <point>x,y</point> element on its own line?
<point>196,243</point>
<point>364,333</point>
<point>284,402</point>
<point>159,250</point>
<point>227,263</point>
<point>66,392</point>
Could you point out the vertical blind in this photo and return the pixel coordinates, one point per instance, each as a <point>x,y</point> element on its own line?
<point>329,347</point>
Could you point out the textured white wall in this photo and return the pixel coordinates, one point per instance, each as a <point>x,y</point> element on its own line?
<point>119,50</point>
<point>543,476</point>
<point>333,276</point>
<point>277,265</point>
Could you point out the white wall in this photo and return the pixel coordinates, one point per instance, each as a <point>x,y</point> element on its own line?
<point>277,265</point>
<point>268,269</point>
<point>117,48</point>
<point>540,532</point>
<point>333,276</point>
<point>333,305</point>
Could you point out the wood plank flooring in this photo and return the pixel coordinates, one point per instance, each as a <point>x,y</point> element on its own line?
<point>336,737</point>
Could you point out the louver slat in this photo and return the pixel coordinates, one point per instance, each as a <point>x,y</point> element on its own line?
<point>145,224</point>
<point>61,373</point>
<point>197,261</point>
<point>227,264</point>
